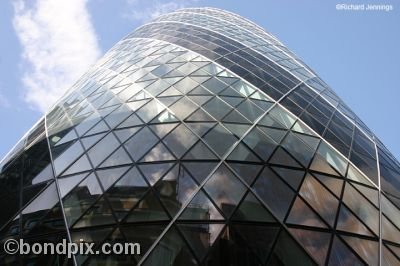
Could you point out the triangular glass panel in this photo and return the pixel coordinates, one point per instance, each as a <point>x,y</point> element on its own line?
<point>200,79</point>
<point>242,153</point>
<point>388,258</point>
<point>137,104</point>
<point>301,128</point>
<point>92,235</point>
<point>99,214</point>
<point>141,143</point>
<point>200,152</point>
<point>119,157</point>
<point>200,90</point>
<point>389,231</point>
<point>89,141</point>
<point>145,234</point>
<point>249,110</point>
<point>200,128</point>
<point>66,184</point>
<point>131,121</point>
<point>302,214</point>
<point>356,175</point>
<point>71,135</point>
<point>231,93</point>
<point>153,172</point>
<point>199,170</point>
<point>163,129</point>
<point>275,134</point>
<point>270,122</point>
<point>164,117</point>
<point>81,198</point>
<point>108,177</point>
<point>124,134</point>
<point>316,243</point>
<point>220,139</point>
<point>262,145</point>
<point>172,80</point>
<point>81,165</point>
<point>100,127</point>
<point>394,249</point>
<point>252,210</point>
<point>195,232</point>
<point>227,75</point>
<point>349,223</point>
<point>158,153</point>
<point>68,154</point>
<point>247,172</point>
<point>200,115</point>
<point>289,252</point>
<point>368,250</point>
<point>217,108</point>
<point>312,142</point>
<point>201,208</point>
<point>235,117</point>
<point>298,149</point>
<point>323,202</point>
<point>233,101</point>
<point>342,255</point>
<point>167,101</point>
<point>361,207</point>
<point>150,110</point>
<point>274,192</point>
<point>264,105</point>
<point>370,194</point>
<point>319,164</point>
<point>180,140</point>
<point>180,255</point>
<point>127,192</point>
<point>237,129</point>
<point>292,176</point>
<point>333,184</point>
<point>175,189</point>
<point>185,85</point>
<point>225,189</point>
<point>102,149</point>
<point>281,157</point>
<point>147,210</point>
<point>200,99</point>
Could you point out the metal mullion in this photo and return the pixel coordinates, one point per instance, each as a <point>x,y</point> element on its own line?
<point>58,186</point>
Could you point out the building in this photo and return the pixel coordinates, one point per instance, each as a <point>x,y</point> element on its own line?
<point>203,138</point>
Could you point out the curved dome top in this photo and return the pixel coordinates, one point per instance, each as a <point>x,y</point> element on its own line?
<point>260,58</point>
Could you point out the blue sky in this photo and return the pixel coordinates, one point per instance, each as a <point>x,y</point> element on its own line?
<point>356,52</point>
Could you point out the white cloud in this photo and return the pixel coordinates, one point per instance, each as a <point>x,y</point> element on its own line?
<point>59,43</point>
<point>144,11</point>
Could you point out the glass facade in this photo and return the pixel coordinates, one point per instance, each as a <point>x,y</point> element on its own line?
<point>203,138</point>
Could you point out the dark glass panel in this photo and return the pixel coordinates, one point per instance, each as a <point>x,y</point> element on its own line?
<point>180,140</point>
<point>368,250</point>
<point>361,207</point>
<point>126,192</point>
<point>341,255</point>
<point>171,250</point>
<point>274,192</point>
<point>349,223</point>
<point>316,243</point>
<point>319,198</point>
<point>140,143</point>
<point>303,215</point>
<point>289,252</point>
<point>225,189</point>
